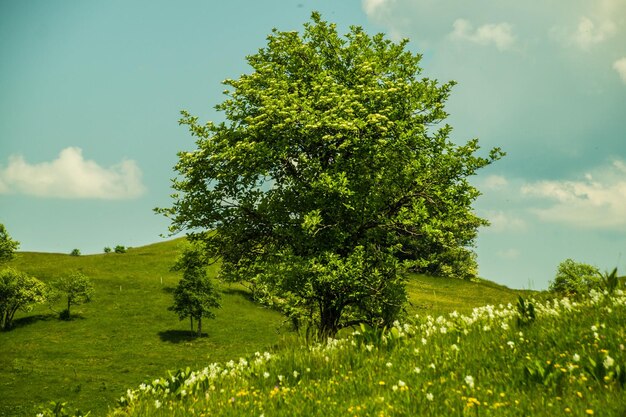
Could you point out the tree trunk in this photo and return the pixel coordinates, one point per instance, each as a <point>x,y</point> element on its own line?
<point>200,326</point>
<point>329,320</point>
<point>68,307</point>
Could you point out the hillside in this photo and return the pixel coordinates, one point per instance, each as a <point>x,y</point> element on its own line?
<point>126,335</point>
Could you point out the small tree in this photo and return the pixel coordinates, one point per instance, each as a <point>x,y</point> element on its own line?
<point>77,288</point>
<point>18,291</point>
<point>120,249</point>
<point>575,278</point>
<point>8,246</point>
<point>195,296</point>
<point>75,252</point>
<point>107,249</point>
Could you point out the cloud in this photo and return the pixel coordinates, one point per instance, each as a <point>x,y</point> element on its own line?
<point>374,7</point>
<point>597,201</point>
<point>503,222</point>
<point>589,34</point>
<point>500,34</point>
<point>620,67</point>
<point>71,176</point>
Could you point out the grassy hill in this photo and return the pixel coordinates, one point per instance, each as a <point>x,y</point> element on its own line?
<point>126,335</point>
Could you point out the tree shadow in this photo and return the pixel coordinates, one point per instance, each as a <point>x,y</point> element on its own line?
<point>240,292</point>
<point>179,336</point>
<point>25,321</point>
<point>168,290</point>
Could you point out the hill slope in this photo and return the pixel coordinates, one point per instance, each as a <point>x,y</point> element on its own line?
<point>126,335</point>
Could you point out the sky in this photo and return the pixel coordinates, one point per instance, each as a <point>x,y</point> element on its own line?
<point>91,93</point>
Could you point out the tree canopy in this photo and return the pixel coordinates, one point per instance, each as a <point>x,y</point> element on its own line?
<point>331,175</point>
<point>195,295</point>
<point>8,246</point>
<point>18,291</point>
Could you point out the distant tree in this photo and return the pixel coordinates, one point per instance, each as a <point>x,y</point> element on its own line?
<point>195,295</point>
<point>8,246</point>
<point>120,249</point>
<point>574,278</point>
<point>107,249</point>
<point>75,252</point>
<point>76,287</point>
<point>332,173</point>
<point>18,291</point>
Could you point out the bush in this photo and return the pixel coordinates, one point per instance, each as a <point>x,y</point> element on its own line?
<point>107,249</point>
<point>574,278</point>
<point>75,252</point>
<point>120,249</point>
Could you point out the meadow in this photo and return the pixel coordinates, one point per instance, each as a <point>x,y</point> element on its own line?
<point>126,336</point>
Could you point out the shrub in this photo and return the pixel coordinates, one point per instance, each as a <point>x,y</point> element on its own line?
<point>75,252</point>
<point>107,249</point>
<point>574,278</point>
<point>120,249</point>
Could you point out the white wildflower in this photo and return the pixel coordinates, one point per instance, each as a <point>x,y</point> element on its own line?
<point>469,380</point>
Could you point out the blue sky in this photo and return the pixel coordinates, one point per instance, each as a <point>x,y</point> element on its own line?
<point>91,94</point>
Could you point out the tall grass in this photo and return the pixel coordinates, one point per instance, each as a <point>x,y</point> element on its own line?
<point>569,360</point>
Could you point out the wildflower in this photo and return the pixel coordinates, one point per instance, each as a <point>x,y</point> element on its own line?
<point>401,383</point>
<point>454,347</point>
<point>430,396</point>
<point>589,411</point>
<point>576,357</point>
<point>389,364</point>
<point>511,344</point>
<point>280,378</point>
<point>266,375</point>
<point>469,380</point>
<point>417,370</point>
<point>608,362</point>
<point>157,404</point>
<point>423,341</point>
<point>295,374</point>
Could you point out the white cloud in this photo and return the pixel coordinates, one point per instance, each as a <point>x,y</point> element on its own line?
<point>374,7</point>
<point>597,201</point>
<point>500,34</point>
<point>589,34</point>
<point>71,176</point>
<point>503,222</point>
<point>620,67</point>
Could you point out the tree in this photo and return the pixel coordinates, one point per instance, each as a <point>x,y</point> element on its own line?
<point>18,291</point>
<point>75,252</point>
<point>575,278</point>
<point>331,175</point>
<point>195,296</point>
<point>77,288</point>
<point>8,246</point>
<point>107,249</point>
<point>120,249</point>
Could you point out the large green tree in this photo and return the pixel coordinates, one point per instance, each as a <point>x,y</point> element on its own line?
<point>76,288</point>
<point>332,174</point>
<point>195,295</point>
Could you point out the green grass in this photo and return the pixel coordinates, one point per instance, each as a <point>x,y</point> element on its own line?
<point>123,337</point>
<point>570,361</point>
<point>126,335</point>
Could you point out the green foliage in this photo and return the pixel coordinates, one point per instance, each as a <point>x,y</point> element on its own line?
<point>75,252</point>
<point>610,281</point>
<point>107,249</point>
<point>61,409</point>
<point>195,295</point>
<point>8,246</point>
<point>18,291</point>
<point>333,170</point>
<point>575,278</point>
<point>77,288</point>
<point>526,312</point>
<point>120,249</point>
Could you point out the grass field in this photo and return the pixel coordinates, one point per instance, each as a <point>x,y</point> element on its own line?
<point>126,335</point>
